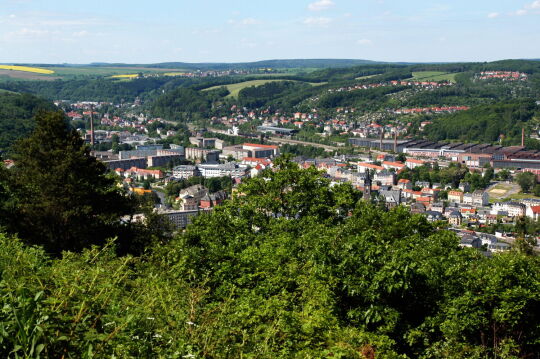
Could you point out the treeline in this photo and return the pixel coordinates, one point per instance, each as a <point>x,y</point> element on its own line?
<point>186,103</point>
<point>485,123</point>
<point>90,89</point>
<point>290,268</point>
<point>16,116</point>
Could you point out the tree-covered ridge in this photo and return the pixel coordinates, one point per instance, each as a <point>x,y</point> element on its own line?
<point>289,268</point>
<point>485,123</point>
<point>16,116</point>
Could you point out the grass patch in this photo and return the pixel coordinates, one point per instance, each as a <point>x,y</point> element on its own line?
<point>519,196</point>
<point>434,76</point>
<point>366,77</point>
<point>235,89</point>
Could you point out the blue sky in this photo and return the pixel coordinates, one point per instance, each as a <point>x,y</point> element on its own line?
<point>58,31</point>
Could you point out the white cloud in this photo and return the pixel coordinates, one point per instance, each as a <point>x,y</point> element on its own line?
<point>317,21</point>
<point>12,16</point>
<point>246,22</point>
<point>364,42</point>
<point>250,21</point>
<point>493,15</point>
<point>320,5</point>
<point>528,8</point>
<point>80,33</point>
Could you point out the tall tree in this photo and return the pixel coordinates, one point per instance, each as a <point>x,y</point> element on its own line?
<point>63,198</point>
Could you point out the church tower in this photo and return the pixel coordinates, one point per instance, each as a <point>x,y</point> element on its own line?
<point>367,186</point>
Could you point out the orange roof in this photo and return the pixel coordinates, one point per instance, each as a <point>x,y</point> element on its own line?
<point>395,164</point>
<point>263,146</point>
<point>404,180</point>
<point>370,165</point>
<point>412,160</point>
<point>535,209</point>
<point>258,160</point>
<point>423,199</point>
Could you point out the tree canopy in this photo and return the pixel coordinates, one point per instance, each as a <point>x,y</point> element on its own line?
<point>59,195</point>
<point>290,267</point>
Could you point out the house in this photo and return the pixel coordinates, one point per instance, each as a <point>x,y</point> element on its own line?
<point>413,163</point>
<point>533,212</point>
<point>513,209</point>
<point>455,218</point>
<point>364,167</point>
<point>455,196</point>
<point>385,177</point>
<point>470,241</point>
<point>212,200</point>
<point>437,207</point>
<point>392,198</point>
<point>140,173</point>
<point>418,208</point>
<point>404,184</point>
<point>422,184</point>
<point>397,166</point>
<point>464,186</point>
<point>426,201</point>
<point>433,216</point>
<point>480,198</point>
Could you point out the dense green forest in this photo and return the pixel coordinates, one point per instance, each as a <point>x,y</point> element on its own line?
<point>291,268</point>
<point>16,116</point>
<point>485,123</point>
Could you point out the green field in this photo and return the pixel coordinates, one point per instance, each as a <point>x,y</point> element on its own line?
<point>235,89</point>
<point>434,76</point>
<point>366,77</point>
<point>104,71</point>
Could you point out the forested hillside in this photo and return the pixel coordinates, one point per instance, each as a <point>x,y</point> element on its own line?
<point>486,123</point>
<point>290,268</point>
<point>16,116</point>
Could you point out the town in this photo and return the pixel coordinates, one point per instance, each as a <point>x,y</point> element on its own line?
<point>374,161</point>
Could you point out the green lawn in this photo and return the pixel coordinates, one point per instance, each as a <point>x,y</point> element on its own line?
<point>434,76</point>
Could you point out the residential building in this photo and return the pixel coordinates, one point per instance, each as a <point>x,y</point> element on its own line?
<point>185,172</point>
<point>455,218</point>
<point>455,196</point>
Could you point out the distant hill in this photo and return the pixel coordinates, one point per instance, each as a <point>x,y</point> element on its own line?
<point>280,64</point>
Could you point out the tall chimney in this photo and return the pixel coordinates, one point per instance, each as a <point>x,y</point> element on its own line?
<point>523,137</point>
<point>395,142</point>
<point>382,136</point>
<point>92,127</point>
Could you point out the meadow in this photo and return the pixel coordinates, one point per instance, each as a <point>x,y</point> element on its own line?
<point>434,76</point>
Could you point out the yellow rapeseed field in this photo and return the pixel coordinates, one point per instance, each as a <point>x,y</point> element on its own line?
<point>174,74</point>
<point>36,70</point>
<point>125,76</point>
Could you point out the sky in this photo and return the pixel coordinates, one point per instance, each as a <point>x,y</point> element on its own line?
<point>73,31</point>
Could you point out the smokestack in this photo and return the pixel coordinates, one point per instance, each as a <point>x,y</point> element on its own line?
<point>382,136</point>
<point>92,126</point>
<point>523,137</point>
<point>395,142</point>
